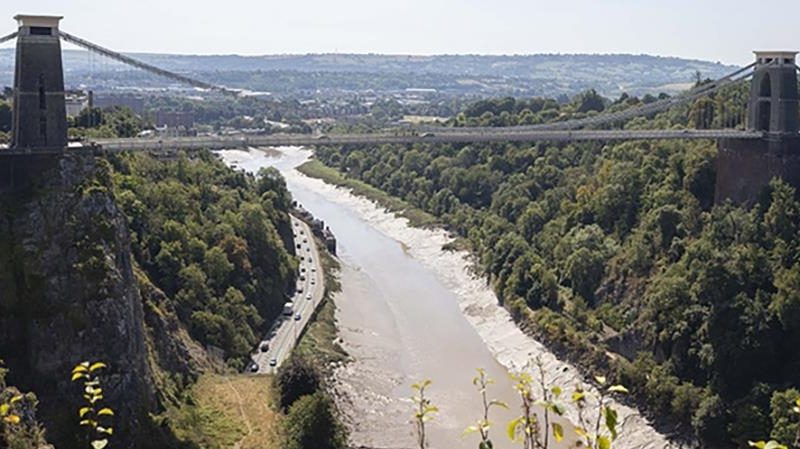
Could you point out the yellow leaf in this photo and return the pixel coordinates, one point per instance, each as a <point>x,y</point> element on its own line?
<point>106,430</point>
<point>77,376</point>
<point>97,366</point>
<point>511,429</point>
<point>558,431</point>
<point>470,429</point>
<point>603,443</point>
<point>12,419</point>
<point>4,409</point>
<point>99,444</point>
<point>600,379</point>
<point>83,411</point>
<point>106,411</point>
<point>16,398</point>
<point>79,369</point>
<point>577,396</point>
<point>618,389</point>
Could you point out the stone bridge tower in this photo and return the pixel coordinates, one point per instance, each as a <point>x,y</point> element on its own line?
<point>745,167</point>
<point>40,118</point>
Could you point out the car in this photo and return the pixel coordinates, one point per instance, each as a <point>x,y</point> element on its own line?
<point>297,317</point>
<point>303,270</point>
<point>254,367</point>
<point>308,248</point>
<point>313,269</point>
<point>302,277</point>
<point>273,361</point>
<point>299,289</point>
<point>299,246</point>
<point>313,281</point>
<point>426,135</point>
<point>264,346</point>
<point>308,296</point>
<point>322,137</point>
<point>305,240</point>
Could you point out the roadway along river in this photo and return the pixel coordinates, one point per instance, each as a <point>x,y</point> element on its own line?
<point>401,321</point>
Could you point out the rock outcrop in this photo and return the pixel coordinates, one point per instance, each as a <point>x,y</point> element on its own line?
<point>69,293</point>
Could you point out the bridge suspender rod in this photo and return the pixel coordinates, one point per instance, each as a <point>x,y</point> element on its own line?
<point>143,65</point>
<point>8,37</point>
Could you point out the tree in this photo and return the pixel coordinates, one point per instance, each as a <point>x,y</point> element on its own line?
<point>311,423</point>
<point>297,377</point>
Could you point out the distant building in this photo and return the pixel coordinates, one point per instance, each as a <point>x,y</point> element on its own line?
<point>135,103</point>
<point>174,119</point>
<point>75,102</point>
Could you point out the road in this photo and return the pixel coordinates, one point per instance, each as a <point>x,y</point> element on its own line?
<point>283,335</point>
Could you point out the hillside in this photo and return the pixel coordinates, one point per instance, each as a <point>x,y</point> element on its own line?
<point>617,257</point>
<point>164,270</point>
<point>485,75</point>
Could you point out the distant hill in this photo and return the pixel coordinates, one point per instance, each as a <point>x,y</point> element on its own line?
<point>456,74</point>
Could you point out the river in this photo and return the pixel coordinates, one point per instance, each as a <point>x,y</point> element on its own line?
<point>409,311</point>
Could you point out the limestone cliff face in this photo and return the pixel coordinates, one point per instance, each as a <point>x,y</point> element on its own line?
<point>68,293</point>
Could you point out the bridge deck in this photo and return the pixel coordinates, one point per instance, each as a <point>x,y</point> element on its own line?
<point>448,135</point>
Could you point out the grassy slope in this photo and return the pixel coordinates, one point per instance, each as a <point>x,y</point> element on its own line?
<point>229,409</point>
<point>417,217</point>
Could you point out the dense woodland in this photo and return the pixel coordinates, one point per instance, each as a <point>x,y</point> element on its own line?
<point>618,257</point>
<point>213,240</point>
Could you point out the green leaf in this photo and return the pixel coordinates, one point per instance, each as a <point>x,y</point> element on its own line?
<point>556,391</point>
<point>558,431</point>
<point>600,379</point>
<point>618,389</point>
<point>558,409</point>
<point>603,443</point>
<point>99,444</point>
<point>577,396</point>
<point>611,421</point>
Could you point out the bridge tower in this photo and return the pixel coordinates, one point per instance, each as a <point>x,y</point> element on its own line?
<point>773,106</point>
<point>745,167</point>
<point>40,118</point>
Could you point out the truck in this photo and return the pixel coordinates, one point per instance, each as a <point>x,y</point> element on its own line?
<point>288,308</point>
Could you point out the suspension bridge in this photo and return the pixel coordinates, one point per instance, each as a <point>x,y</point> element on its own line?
<point>768,118</point>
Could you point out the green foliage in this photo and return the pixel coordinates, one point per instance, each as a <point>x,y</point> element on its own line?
<point>213,240</point>
<point>424,412</point>
<point>297,377</point>
<point>581,239</point>
<point>311,423</point>
<point>483,425</point>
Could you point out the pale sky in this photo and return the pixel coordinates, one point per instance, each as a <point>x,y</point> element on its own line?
<point>716,30</point>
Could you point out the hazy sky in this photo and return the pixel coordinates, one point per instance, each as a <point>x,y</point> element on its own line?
<point>717,30</point>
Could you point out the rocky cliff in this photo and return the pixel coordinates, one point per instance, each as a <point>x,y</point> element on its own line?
<point>69,292</point>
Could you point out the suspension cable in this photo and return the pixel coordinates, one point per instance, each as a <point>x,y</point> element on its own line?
<point>8,37</point>
<point>144,66</point>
